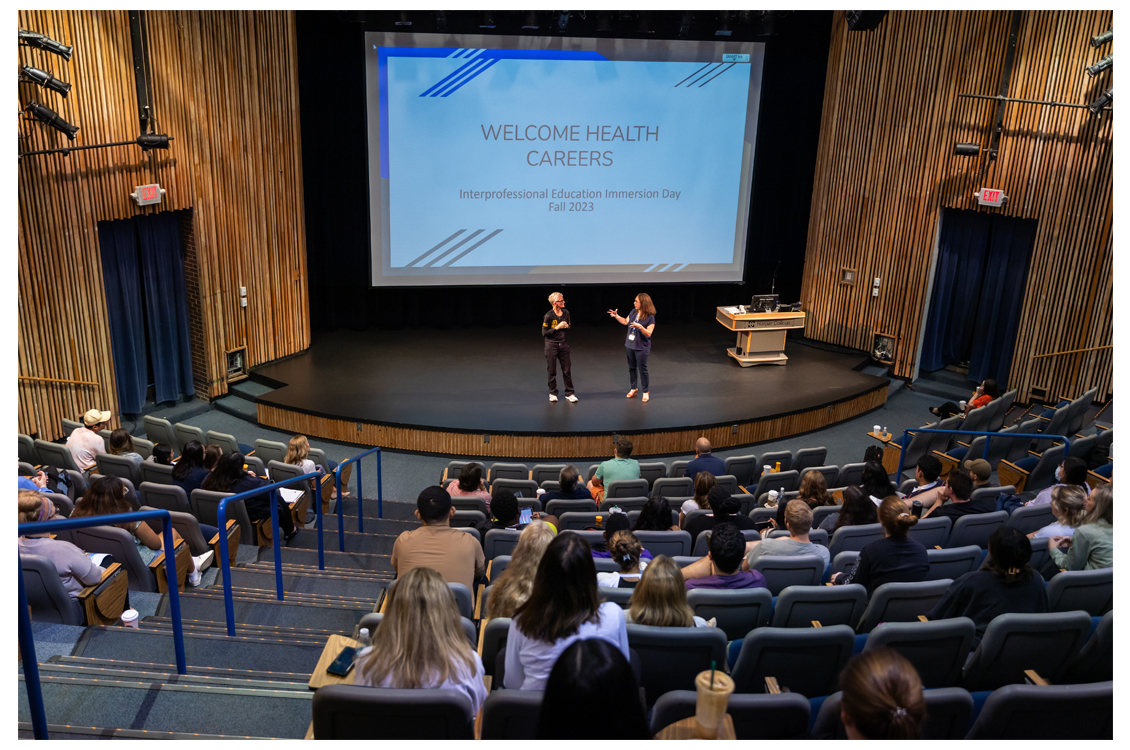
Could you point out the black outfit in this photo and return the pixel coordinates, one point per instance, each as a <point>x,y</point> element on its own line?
<point>708,522</point>
<point>195,478</point>
<point>981,596</point>
<point>259,508</point>
<point>556,349</point>
<point>708,462</point>
<point>894,559</point>
<point>955,511</point>
<point>580,492</point>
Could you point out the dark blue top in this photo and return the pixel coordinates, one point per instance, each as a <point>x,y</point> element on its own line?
<point>194,479</point>
<point>641,343</point>
<point>709,462</point>
<point>580,492</point>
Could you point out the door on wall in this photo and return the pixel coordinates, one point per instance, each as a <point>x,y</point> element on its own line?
<point>979,281</point>
<point>143,275</point>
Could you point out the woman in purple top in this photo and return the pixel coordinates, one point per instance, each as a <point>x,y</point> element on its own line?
<point>641,324</point>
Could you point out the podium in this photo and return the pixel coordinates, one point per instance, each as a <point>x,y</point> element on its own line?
<point>761,336</point>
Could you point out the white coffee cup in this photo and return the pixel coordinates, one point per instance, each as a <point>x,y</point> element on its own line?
<point>129,618</point>
<point>878,429</point>
<point>541,491</point>
<point>766,469</point>
<point>961,404</point>
<point>773,496</point>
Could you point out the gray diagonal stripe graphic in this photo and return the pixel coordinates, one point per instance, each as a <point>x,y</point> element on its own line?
<point>692,75</point>
<point>437,247</point>
<point>472,247</point>
<point>452,249</point>
<point>704,75</point>
<point>720,72</point>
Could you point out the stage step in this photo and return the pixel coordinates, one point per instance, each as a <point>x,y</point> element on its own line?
<point>267,611</point>
<point>380,544</point>
<point>289,677</point>
<point>248,390</point>
<point>326,584</point>
<point>333,559</point>
<point>237,407</point>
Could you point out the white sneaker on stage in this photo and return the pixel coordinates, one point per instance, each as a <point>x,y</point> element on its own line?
<point>571,398</point>
<point>553,398</point>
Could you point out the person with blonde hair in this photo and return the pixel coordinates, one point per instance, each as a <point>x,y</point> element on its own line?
<point>896,557</point>
<point>1069,506</point>
<point>513,587</point>
<point>704,482</point>
<point>298,454</point>
<point>76,570</point>
<point>641,324</point>
<point>1092,544</point>
<point>553,327</point>
<point>882,697</point>
<point>420,642</point>
<point>625,548</point>
<point>660,599</point>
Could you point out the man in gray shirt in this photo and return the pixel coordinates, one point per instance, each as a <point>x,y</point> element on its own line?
<point>798,520</point>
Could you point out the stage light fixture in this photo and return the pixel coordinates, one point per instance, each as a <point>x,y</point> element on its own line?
<point>441,20</point>
<point>644,25</point>
<point>150,141</point>
<point>487,20</point>
<point>562,20</point>
<point>39,41</point>
<point>531,21</point>
<point>1101,65</point>
<point>723,25</point>
<point>685,25</point>
<point>1103,101</point>
<point>403,19</point>
<point>48,116</point>
<point>967,149</point>
<point>604,22</point>
<point>1103,38</point>
<point>46,80</point>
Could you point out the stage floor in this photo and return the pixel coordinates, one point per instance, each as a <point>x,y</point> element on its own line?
<point>494,381</point>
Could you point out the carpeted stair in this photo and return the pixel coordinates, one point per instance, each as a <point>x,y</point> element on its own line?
<point>334,560</point>
<point>344,584</point>
<point>262,608</point>
<point>379,544</point>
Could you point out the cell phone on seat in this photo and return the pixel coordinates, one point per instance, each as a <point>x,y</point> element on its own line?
<point>526,515</point>
<point>341,666</point>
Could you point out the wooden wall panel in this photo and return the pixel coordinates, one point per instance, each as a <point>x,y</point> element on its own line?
<point>225,86</point>
<point>885,168</point>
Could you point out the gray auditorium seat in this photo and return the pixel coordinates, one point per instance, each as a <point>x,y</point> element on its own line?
<point>269,450</point>
<point>165,496</point>
<point>1095,662</point>
<point>559,507</point>
<point>119,543</point>
<point>618,596</point>
<point>468,518</point>
<point>808,458</point>
<point>901,602</point>
<point>672,657</point>
<point>976,528</point>
<point>48,600</point>
<point>1089,590</point>
<point>673,487</point>
<point>161,431</point>
<point>651,471</point>
<point>678,469</point>
<point>546,472</point>
<point>470,503</point>
<point>745,469</point>
<point>205,506</point>
<point>938,649</point>
<point>350,712</point>
<point>670,543</point>
<point>781,716</point>
<point>807,661</point>
<point>494,643</point>
<point>626,504</point>
<point>931,532</point>
<point>184,524</point>
<point>511,714</point>
<point>738,611</point>
<point>117,466</point>
<point>186,433</point>
<point>500,542</point>
<point>520,487</point>
<point>226,442</point>
<point>55,455</point>
<point>507,471</point>
<point>626,488</point>
<point>1037,712</point>
<point>1029,518</point>
<point>1047,643</point>
<point>155,473</point>
<point>953,562</point>
<point>783,571</point>
<point>799,606</point>
<point>855,538</point>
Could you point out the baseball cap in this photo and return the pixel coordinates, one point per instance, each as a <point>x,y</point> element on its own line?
<point>94,417</point>
<point>979,468</point>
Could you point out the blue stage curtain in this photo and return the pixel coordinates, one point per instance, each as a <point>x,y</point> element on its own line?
<point>166,304</point>
<point>117,241</point>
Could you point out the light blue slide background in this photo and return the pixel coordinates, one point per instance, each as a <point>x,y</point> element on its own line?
<point>436,149</point>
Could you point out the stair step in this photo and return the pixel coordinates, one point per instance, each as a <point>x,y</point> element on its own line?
<point>359,575</point>
<point>237,407</point>
<point>380,544</point>
<point>306,634</point>
<point>68,732</point>
<point>334,559</point>
<point>324,584</point>
<point>295,677</point>
<point>336,617</point>
<point>373,525</point>
<point>269,596</point>
<point>169,676</point>
<point>393,510</point>
<point>249,390</point>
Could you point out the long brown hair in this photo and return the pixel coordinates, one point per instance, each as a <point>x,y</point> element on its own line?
<point>420,642</point>
<point>120,442</point>
<point>647,307</point>
<point>104,497</point>
<point>882,695</point>
<point>814,490</point>
<point>1103,508</point>
<point>297,450</point>
<point>660,598</point>
<point>565,595</point>
<point>516,583</point>
<point>625,548</point>
<point>703,484</point>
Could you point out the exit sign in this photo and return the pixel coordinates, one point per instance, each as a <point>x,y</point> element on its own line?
<point>147,195</point>
<point>991,197</point>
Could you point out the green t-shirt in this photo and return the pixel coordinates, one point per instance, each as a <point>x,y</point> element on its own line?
<point>618,468</point>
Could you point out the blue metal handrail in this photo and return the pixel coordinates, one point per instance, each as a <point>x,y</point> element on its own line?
<point>340,498</point>
<point>26,641</point>
<point>222,519</point>
<point>988,439</point>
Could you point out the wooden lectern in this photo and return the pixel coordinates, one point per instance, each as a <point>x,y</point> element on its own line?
<point>761,336</point>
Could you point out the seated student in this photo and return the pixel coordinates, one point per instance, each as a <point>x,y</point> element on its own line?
<point>513,587</point>
<point>1069,506</point>
<point>813,490</point>
<point>704,460</point>
<point>505,513</point>
<point>986,392</point>
<point>876,483</point>
<point>470,484</point>
<point>189,472</point>
<point>230,476</point>
<point>655,515</point>
<point>571,487</point>
<point>660,599</point>
<point>621,466</point>
<point>76,569</point>
<point>1072,472</point>
<point>873,454</point>
<point>121,444</point>
<point>420,642</point>
<point>1092,544</point>
<point>896,557</point>
<point>212,455</point>
<point>981,472</point>
<point>926,473</point>
<point>593,682</point>
<point>958,489</point>
<point>107,496</point>
<point>722,566</point>
<point>615,521</point>
<point>882,697</point>
<point>85,442</point>
<point>798,520</point>
<point>724,508</point>
<point>298,454</point>
<point>857,510</point>
<point>162,454</point>
<point>36,483</point>
<point>1005,583</point>
<point>455,554</point>
<point>704,482</point>
<point>625,549</point>
<point>564,607</point>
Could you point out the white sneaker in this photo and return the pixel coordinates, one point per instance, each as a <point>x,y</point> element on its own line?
<point>571,398</point>
<point>553,398</point>
<point>203,561</point>
<point>194,578</point>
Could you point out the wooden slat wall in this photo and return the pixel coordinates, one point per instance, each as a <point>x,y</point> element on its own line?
<point>885,168</point>
<point>225,85</point>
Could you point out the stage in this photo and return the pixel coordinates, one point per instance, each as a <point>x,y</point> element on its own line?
<point>483,392</point>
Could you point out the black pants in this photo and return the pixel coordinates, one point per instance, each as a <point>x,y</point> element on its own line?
<point>637,360</point>
<point>558,351</point>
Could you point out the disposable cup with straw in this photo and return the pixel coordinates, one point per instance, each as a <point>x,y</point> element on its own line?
<point>714,690</point>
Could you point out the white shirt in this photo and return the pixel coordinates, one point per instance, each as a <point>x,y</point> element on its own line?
<point>529,661</point>
<point>83,444</point>
<point>688,506</point>
<point>1054,529</point>
<point>612,580</point>
<point>470,685</point>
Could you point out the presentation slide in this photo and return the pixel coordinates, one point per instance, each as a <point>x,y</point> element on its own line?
<point>523,160</point>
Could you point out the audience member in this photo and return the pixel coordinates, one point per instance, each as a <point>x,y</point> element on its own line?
<point>896,557</point>
<point>926,473</point>
<point>571,487</point>
<point>1069,506</point>
<point>798,520</point>
<point>882,697</point>
<point>984,393</point>
<point>230,476</point>
<point>625,548</point>
<point>1005,583</point>
<point>505,513</point>
<point>35,483</point>
<point>84,442</point>
<point>724,509</point>
<point>857,510</point>
<point>470,484</point>
<point>613,522</point>
<point>121,444</point>
<point>873,454</point>
<point>958,488</point>
<point>513,587</point>
<point>189,472</point>
<point>660,599</point>
<point>162,454</point>
<point>1072,472</point>
<point>76,569</point>
<point>655,515</point>
<point>621,466</point>
<point>420,642</point>
<point>212,454</point>
<point>592,694</point>
<point>876,483</point>
<point>455,554</point>
<point>981,472</point>
<point>704,460</point>
<point>813,490</point>
<point>563,607</point>
<point>704,482</point>
<point>1092,544</point>
<point>298,454</point>
<point>722,566</point>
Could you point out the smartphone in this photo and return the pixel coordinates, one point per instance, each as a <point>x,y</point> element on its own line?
<point>343,663</point>
<point>526,515</point>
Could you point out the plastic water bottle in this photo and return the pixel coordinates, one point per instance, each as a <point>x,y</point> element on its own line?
<point>364,639</point>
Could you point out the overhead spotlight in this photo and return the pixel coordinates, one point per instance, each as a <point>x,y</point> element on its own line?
<point>441,20</point>
<point>562,20</point>
<point>531,21</point>
<point>151,141</point>
<point>48,116</point>
<point>1101,65</point>
<point>1103,38</point>
<point>1102,102</point>
<point>604,22</point>
<point>45,79</point>
<point>403,19</point>
<point>685,25</point>
<point>723,24</point>
<point>39,41</point>
<point>644,25</point>
<point>487,20</point>
<point>967,149</point>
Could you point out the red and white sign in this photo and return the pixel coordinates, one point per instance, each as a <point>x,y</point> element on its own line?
<point>147,195</point>
<point>991,197</point>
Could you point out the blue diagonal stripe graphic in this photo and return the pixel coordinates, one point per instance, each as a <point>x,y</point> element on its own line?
<point>466,80</point>
<point>469,69</point>
<point>450,76</point>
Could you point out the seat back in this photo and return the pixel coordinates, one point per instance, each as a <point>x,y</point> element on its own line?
<point>48,600</point>
<point>850,474</point>
<point>729,482</point>
<point>500,542</point>
<point>533,503</point>
<point>626,504</point>
<point>227,442</point>
<point>1043,474</point>
<point>499,565</point>
<point>165,496</point>
<point>185,433</point>
<point>745,469</point>
<point>937,649</point>
<point>652,470</point>
<point>783,571</point>
<point>1047,643</point>
<point>626,488</point>
<point>452,471</point>
<point>952,562</point>
<point>821,513</point>
<point>576,520</point>
<point>511,714</point>
<point>1079,411</point>
<point>55,455</point>
<point>119,543</point>
<point>672,487</point>
<point>942,440</point>
<point>844,562</point>
<point>947,715</point>
<point>992,492</point>
<point>671,658</point>
<point>520,487</point>
<point>560,507</point>
<point>160,431</point>
<point>809,458</point>
<point>678,469</point>
<point>1089,590</point>
<point>64,506</point>
<point>205,505</point>
<point>1036,712</point>
<point>738,611</point>
<point>351,712</point>
<point>184,524</point>
<point>670,543</point>
<point>782,481</point>
<point>467,518</point>
<point>117,466</point>
<point>920,444</point>
<point>780,716</point>
<point>27,452</point>
<point>977,420</point>
<point>280,472</point>
<point>931,532</point>
<point>270,450</point>
<point>907,486</point>
<point>901,602</point>
<point>507,471</point>
<point>800,606</point>
<point>617,596</point>
<point>855,537</point>
<point>494,642</point>
<point>976,529</point>
<point>1096,659</point>
<point>546,472</point>
<point>807,661</point>
<point>1018,447</point>
<point>470,503</point>
<point>772,457</point>
<point>1031,518</point>
<point>155,473</point>
<point>1004,404</point>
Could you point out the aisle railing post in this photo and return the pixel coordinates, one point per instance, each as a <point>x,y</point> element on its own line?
<point>340,510</point>
<point>319,522</point>
<point>174,593</point>
<point>225,564</point>
<point>380,508</point>
<point>360,510</point>
<point>31,666</point>
<point>275,530</point>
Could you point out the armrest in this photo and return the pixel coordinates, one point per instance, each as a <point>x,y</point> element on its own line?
<point>182,559</point>
<point>252,453</point>
<point>233,533</point>
<point>482,632</point>
<point>922,618</point>
<point>94,587</point>
<point>961,443</point>
<point>771,686</point>
<point>743,489</point>
<point>1032,678</point>
<point>478,602</point>
<point>1012,466</point>
<point>104,602</point>
<point>816,624</point>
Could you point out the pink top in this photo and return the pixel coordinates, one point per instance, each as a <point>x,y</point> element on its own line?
<point>83,444</point>
<point>454,491</point>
